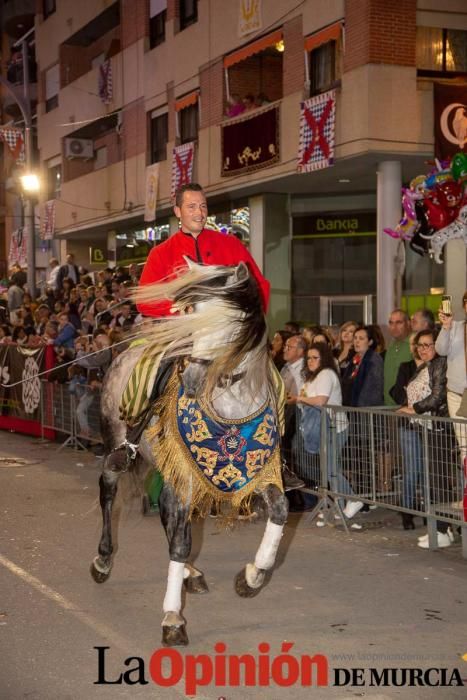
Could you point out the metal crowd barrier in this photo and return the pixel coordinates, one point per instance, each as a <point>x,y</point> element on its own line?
<point>75,413</point>
<point>412,464</point>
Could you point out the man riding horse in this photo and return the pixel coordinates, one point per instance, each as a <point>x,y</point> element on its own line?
<point>202,245</point>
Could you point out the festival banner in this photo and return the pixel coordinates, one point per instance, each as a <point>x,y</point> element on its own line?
<point>47,220</point>
<point>251,142</point>
<point>182,165</point>
<point>105,83</point>
<point>20,364</point>
<point>14,140</point>
<point>317,132</point>
<point>18,251</point>
<point>250,17</point>
<point>152,186</point>
<point>450,115</point>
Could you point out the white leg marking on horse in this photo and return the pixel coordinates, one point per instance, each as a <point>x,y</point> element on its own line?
<point>173,595</point>
<point>254,577</point>
<point>266,554</point>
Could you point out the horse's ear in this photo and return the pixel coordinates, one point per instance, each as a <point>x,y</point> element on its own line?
<point>241,273</point>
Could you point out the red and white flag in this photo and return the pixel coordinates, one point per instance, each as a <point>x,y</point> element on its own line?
<point>48,220</point>
<point>14,140</point>
<point>317,132</point>
<point>182,165</point>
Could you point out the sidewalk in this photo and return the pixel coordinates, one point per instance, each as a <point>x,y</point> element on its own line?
<point>370,599</point>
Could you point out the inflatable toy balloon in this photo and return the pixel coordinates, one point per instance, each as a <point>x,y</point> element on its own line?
<point>456,229</point>
<point>418,184</point>
<point>408,202</point>
<point>449,194</point>
<point>418,244</point>
<point>459,167</point>
<point>424,229</point>
<point>436,214</point>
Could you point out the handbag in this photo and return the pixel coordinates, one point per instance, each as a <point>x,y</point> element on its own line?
<point>462,410</point>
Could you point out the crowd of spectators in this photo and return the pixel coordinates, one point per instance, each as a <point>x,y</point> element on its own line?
<point>86,318</point>
<point>414,374</point>
<point>237,105</point>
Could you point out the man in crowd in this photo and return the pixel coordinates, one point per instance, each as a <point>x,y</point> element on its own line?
<point>52,279</point>
<point>397,352</point>
<point>291,373</point>
<point>422,320</point>
<point>69,269</point>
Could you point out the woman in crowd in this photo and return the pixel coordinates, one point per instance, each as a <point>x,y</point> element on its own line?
<point>277,347</point>
<point>322,386</point>
<point>426,394</point>
<point>345,350</point>
<point>405,373</point>
<point>380,343</point>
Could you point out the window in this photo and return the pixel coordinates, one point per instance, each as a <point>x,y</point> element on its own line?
<point>100,158</point>
<point>441,50</point>
<point>159,137</point>
<point>188,13</point>
<point>52,83</point>
<point>323,67</point>
<point>188,123</point>
<point>157,19</point>
<point>54,181</point>
<point>48,8</point>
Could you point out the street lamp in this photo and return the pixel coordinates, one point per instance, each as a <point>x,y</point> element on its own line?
<point>30,183</point>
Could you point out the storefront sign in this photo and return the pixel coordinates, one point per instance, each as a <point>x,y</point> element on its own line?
<point>362,224</point>
<point>450,107</point>
<point>98,256</point>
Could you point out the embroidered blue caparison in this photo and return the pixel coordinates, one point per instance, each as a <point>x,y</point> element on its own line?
<point>229,453</point>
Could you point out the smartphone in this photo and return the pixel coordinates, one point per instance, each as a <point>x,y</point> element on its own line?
<point>446,304</point>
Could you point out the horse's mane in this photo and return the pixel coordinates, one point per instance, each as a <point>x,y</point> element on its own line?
<point>234,304</point>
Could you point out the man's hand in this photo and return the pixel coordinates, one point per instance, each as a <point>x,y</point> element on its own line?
<point>409,410</point>
<point>445,320</point>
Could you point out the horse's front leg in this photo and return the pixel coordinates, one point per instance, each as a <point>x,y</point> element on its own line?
<point>175,519</point>
<point>112,470</point>
<point>250,580</point>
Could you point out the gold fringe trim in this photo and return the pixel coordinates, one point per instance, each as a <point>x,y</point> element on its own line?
<point>177,466</point>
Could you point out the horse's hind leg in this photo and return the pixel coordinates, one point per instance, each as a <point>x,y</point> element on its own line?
<point>102,564</point>
<point>175,519</point>
<point>251,579</point>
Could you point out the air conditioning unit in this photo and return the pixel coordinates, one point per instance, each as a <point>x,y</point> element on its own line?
<point>79,148</point>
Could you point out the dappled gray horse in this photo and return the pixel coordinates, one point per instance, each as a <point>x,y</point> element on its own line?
<point>215,432</point>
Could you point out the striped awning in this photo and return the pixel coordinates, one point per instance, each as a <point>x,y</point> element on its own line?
<point>187,100</point>
<point>332,32</point>
<point>251,49</point>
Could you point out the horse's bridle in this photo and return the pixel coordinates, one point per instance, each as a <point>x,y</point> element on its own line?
<point>223,382</point>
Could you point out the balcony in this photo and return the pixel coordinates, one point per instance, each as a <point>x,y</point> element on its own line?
<point>251,141</point>
<point>18,17</point>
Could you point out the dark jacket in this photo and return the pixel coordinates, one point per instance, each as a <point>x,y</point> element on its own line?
<point>366,388</point>
<point>405,373</point>
<point>436,402</point>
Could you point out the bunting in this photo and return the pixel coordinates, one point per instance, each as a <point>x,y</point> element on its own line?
<point>18,252</point>
<point>182,165</point>
<point>152,185</point>
<point>14,140</point>
<point>105,86</point>
<point>47,228</point>
<point>317,132</point>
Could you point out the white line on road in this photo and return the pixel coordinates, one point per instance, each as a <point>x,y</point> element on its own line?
<point>109,634</point>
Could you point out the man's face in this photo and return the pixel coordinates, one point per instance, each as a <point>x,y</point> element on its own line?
<point>70,259</point>
<point>398,326</point>
<point>417,322</point>
<point>293,349</point>
<point>193,212</point>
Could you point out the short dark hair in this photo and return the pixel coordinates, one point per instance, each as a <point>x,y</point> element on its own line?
<point>188,187</point>
<point>427,331</point>
<point>428,317</point>
<point>371,333</point>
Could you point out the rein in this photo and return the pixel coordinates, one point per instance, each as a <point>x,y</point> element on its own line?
<point>225,380</point>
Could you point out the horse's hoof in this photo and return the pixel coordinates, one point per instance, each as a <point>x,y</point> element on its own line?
<point>99,574</point>
<point>196,584</point>
<point>174,636</point>
<point>242,588</point>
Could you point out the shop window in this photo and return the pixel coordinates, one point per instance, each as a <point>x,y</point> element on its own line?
<point>323,63</point>
<point>188,13</point>
<point>157,20</point>
<point>441,51</point>
<point>52,83</point>
<point>48,8</point>
<point>188,123</point>
<point>159,136</point>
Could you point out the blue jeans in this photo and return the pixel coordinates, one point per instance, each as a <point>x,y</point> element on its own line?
<point>412,450</point>
<point>337,480</point>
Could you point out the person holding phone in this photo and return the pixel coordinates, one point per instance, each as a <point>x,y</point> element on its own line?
<point>452,344</point>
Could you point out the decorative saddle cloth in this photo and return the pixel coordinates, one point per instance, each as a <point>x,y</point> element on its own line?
<point>211,460</point>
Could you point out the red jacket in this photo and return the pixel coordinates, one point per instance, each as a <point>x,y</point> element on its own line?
<point>210,248</point>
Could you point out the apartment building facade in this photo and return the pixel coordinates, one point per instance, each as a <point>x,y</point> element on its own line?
<point>176,64</point>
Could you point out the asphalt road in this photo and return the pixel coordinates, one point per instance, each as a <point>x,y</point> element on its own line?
<point>370,599</point>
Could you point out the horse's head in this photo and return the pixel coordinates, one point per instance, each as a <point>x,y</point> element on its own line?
<point>224,302</point>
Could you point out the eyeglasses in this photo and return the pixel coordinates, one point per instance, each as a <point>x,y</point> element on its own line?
<point>290,347</point>
<point>313,357</point>
<point>425,346</point>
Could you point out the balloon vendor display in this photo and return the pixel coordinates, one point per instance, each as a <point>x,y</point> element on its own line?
<point>435,208</point>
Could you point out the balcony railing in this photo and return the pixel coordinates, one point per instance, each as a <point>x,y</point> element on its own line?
<point>251,141</point>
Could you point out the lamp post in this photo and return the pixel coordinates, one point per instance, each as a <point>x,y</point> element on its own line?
<point>24,103</point>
